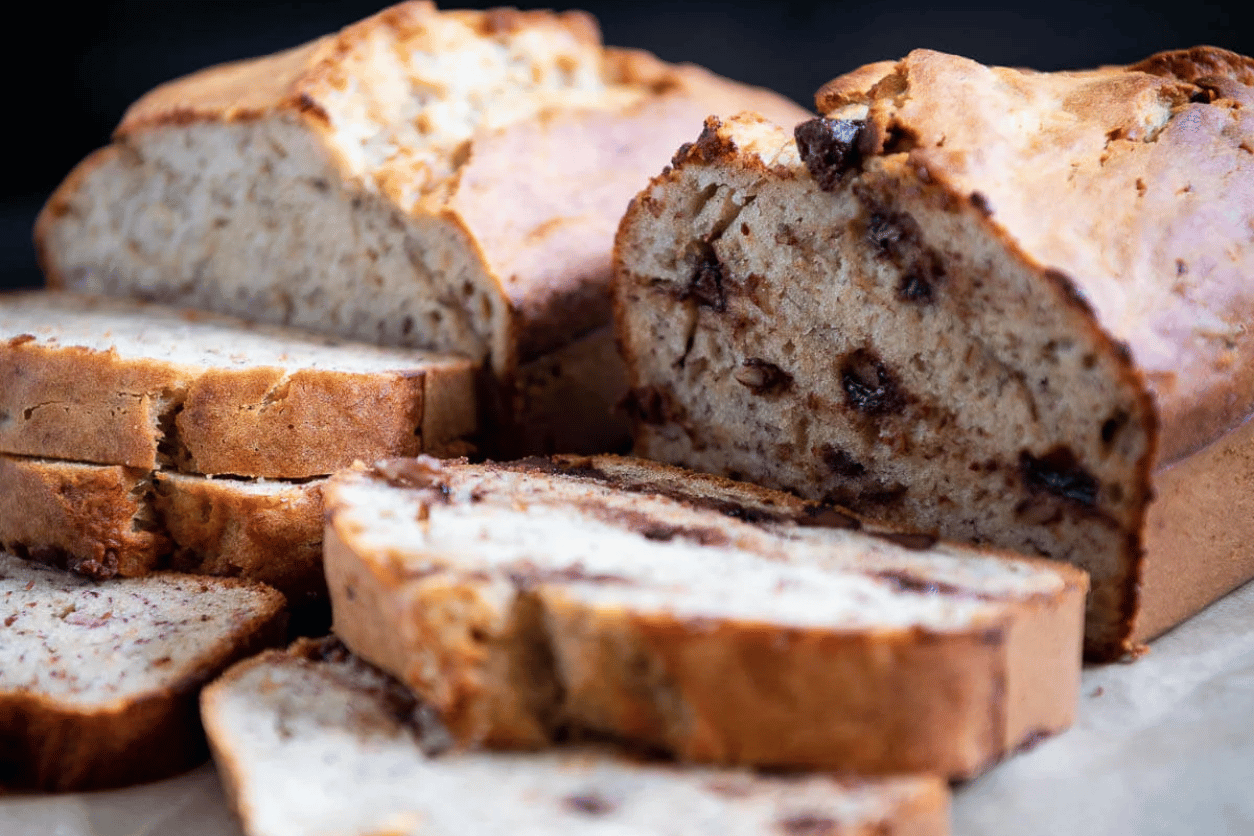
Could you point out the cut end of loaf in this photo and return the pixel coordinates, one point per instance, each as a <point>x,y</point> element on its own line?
<point>853,314</point>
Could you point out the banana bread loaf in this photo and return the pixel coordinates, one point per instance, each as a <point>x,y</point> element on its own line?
<point>1010,307</point>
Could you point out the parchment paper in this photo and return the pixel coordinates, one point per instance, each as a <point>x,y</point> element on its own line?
<point>1164,745</point>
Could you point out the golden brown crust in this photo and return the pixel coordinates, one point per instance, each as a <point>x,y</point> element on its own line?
<point>311,422</point>
<point>107,520</point>
<point>91,519</point>
<point>270,533</point>
<point>51,746</point>
<point>1199,532</point>
<point>73,403</point>
<point>708,680</point>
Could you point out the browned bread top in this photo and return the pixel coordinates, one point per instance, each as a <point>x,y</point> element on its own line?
<point>1136,183</point>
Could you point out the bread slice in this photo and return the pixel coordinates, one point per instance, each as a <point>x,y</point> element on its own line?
<point>104,521</point>
<point>312,740</point>
<point>127,383</point>
<point>99,682</point>
<point>255,529</point>
<point>440,180</point>
<point>1006,306</point>
<point>707,618</point>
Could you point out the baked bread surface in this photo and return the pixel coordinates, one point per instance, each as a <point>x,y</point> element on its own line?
<point>985,302</point>
<point>314,740</point>
<point>708,618</point>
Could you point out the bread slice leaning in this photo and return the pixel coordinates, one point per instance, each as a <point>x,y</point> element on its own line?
<point>128,383</point>
<point>455,179</point>
<point>99,682</point>
<point>312,740</point>
<point>715,620</point>
<point>1007,306</point>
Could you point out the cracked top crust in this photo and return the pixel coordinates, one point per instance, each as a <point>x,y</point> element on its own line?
<point>1135,182</point>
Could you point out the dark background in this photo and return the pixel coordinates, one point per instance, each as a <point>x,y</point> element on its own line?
<point>74,72</point>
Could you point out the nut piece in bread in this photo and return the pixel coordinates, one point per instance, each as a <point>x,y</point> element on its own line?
<point>99,681</point>
<point>715,620</point>
<point>312,739</point>
<point>1007,306</point>
<point>439,180</point>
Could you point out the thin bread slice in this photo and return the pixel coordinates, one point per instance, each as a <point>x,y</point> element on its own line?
<point>99,682</point>
<point>135,384</point>
<point>107,520</point>
<point>718,621</point>
<point>447,180</point>
<point>95,520</point>
<point>256,529</point>
<point>314,741</point>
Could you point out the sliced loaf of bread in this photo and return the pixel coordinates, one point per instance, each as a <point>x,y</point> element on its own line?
<point>714,620</point>
<point>442,180</point>
<point>1007,306</point>
<point>312,740</point>
<point>99,681</point>
<point>127,383</point>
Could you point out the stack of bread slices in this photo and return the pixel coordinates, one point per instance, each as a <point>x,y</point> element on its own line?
<point>295,293</point>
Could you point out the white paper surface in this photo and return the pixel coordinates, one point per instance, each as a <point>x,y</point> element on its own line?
<point>1162,746</point>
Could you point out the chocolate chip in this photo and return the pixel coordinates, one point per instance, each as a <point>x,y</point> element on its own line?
<point>981,204</point>
<point>1112,425</point>
<point>829,148</point>
<point>761,377</point>
<point>648,405</point>
<point>706,282</point>
<point>841,463</point>
<point>1059,473</point>
<point>869,387</point>
<point>914,288</point>
<point>808,824</point>
<point>908,540</point>
<point>590,804</point>
<point>900,140</point>
<point>885,232</point>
